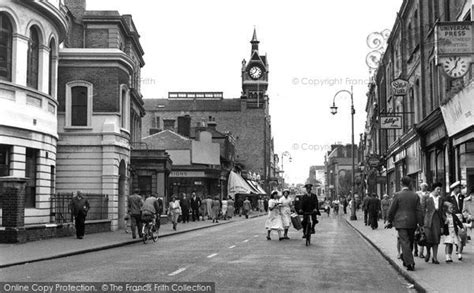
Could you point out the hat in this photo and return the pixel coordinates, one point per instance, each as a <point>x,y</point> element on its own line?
<point>308,185</point>
<point>286,190</point>
<point>455,184</point>
<point>274,192</point>
<point>437,184</point>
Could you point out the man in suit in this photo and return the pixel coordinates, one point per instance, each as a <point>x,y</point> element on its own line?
<point>79,207</point>
<point>184,202</point>
<point>373,207</point>
<point>405,215</point>
<point>195,204</point>
<point>309,204</point>
<point>456,198</point>
<point>135,204</point>
<point>365,203</point>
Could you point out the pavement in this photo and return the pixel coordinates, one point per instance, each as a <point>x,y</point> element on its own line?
<point>427,277</point>
<point>34,251</point>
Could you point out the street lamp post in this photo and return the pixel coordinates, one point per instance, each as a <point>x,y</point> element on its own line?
<point>334,111</point>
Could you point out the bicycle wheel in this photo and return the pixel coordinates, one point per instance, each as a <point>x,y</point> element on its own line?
<point>154,234</point>
<point>145,233</point>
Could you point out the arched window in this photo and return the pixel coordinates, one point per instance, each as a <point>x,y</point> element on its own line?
<point>33,59</point>
<point>5,48</point>
<point>52,69</point>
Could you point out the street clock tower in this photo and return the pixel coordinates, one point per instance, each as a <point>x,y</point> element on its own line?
<point>255,77</point>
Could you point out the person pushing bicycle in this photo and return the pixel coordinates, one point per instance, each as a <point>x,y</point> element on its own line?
<point>309,206</point>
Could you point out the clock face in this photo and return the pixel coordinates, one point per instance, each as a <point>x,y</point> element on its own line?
<point>255,72</point>
<point>455,67</point>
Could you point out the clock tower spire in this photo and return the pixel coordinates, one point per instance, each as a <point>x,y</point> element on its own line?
<point>254,41</point>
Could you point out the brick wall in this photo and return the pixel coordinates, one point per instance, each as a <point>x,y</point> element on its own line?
<point>97,38</point>
<point>106,82</point>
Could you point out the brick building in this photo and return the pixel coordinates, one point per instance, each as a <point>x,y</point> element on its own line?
<point>433,141</point>
<point>246,118</point>
<point>100,105</point>
<point>338,165</point>
<point>31,32</point>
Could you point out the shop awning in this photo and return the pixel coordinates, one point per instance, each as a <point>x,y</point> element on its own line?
<point>236,184</point>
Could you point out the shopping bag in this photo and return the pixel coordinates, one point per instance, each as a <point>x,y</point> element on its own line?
<point>296,221</point>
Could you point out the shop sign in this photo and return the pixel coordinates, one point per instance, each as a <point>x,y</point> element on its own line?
<point>400,87</point>
<point>454,38</point>
<point>390,122</point>
<point>187,174</point>
<point>373,161</point>
<point>458,112</point>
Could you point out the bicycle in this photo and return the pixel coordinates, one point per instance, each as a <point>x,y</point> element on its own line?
<point>307,230</point>
<point>149,231</point>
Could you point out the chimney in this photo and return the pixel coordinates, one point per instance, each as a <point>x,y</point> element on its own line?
<point>77,8</point>
<point>184,125</point>
<point>200,126</point>
<point>212,125</point>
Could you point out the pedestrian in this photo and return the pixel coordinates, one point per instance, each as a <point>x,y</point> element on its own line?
<point>451,230</point>
<point>246,207</point>
<point>373,207</point>
<point>286,204</point>
<point>230,208</point>
<point>433,220</point>
<point>327,206</point>
<point>385,204</point>
<point>265,204</point>
<point>174,211</point>
<point>184,203</point>
<point>468,209</point>
<point>209,207</point>
<point>203,209</point>
<point>274,219</point>
<point>260,204</point>
<point>456,198</point>
<point>344,204</point>
<point>150,210</point>
<point>422,193</point>
<point>225,205</point>
<point>79,207</point>
<point>365,202</point>
<point>405,215</point>
<point>215,209</point>
<point>195,206</point>
<point>135,204</point>
<point>238,205</point>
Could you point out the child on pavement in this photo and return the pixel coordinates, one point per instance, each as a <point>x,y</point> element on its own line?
<point>452,234</point>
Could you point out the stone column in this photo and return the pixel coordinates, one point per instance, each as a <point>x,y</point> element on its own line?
<point>12,196</point>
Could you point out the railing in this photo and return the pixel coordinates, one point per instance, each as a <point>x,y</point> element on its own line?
<point>61,212</point>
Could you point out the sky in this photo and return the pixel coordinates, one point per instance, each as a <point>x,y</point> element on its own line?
<point>315,48</point>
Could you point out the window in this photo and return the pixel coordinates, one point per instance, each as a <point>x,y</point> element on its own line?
<point>78,104</point>
<point>168,124</point>
<point>4,160</point>
<point>52,69</point>
<point>5,48</point>
<point>30,174</point>
<point>124,109</point>
<point>33,59</point>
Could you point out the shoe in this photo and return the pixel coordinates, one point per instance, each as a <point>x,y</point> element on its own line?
<point>268,238</point>
<point>286,237</point>
<point>410,267</point>
<point>79,237</point>
<point>436,262</point>
<point>312,231</point>
<point>449,260</point>
<point>304,236</point>
<point>281,238</point>
<point>134,237</point>
<point>460,256</point>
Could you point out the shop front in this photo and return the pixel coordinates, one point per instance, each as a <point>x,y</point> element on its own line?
<point>204,182</point>
<point>459,119</point>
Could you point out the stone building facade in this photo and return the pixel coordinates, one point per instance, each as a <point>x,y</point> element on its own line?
<point>31,33</point>
<point>434,102</point>
<point>100,105</point>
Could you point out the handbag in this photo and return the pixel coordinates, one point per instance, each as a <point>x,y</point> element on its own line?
<point>422,241</point>
<point>296,221</point>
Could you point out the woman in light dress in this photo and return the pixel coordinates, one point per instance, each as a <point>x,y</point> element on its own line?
<point>175,211</point>
<point>230,208</point>
<point>224,208</point>
<point>216,208</point>
<point>285,207</point>
<point>274,220</point>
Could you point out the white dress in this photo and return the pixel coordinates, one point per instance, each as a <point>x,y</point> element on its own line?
<point>224,207</point>
<point>274,221</point>
<point>452,238</point>
<point>285,211</point>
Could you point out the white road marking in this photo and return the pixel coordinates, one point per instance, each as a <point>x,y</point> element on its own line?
<point>245,241</point>
<point>232,246</point>
<point>212,255</point>
<point>255,236</point>
<point>177,272</point>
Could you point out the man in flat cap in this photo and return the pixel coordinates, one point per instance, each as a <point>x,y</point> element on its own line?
<point>309,204</point>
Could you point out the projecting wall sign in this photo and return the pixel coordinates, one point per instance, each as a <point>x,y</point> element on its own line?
<point>390,122</point>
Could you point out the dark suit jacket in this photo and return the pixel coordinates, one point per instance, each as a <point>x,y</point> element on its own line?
<point>373,206</point>
<point>195,203</point>
<point>457,208</point>
<point>405,210</point>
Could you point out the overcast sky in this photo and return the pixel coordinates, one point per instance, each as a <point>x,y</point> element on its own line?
<point>315,48</point>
